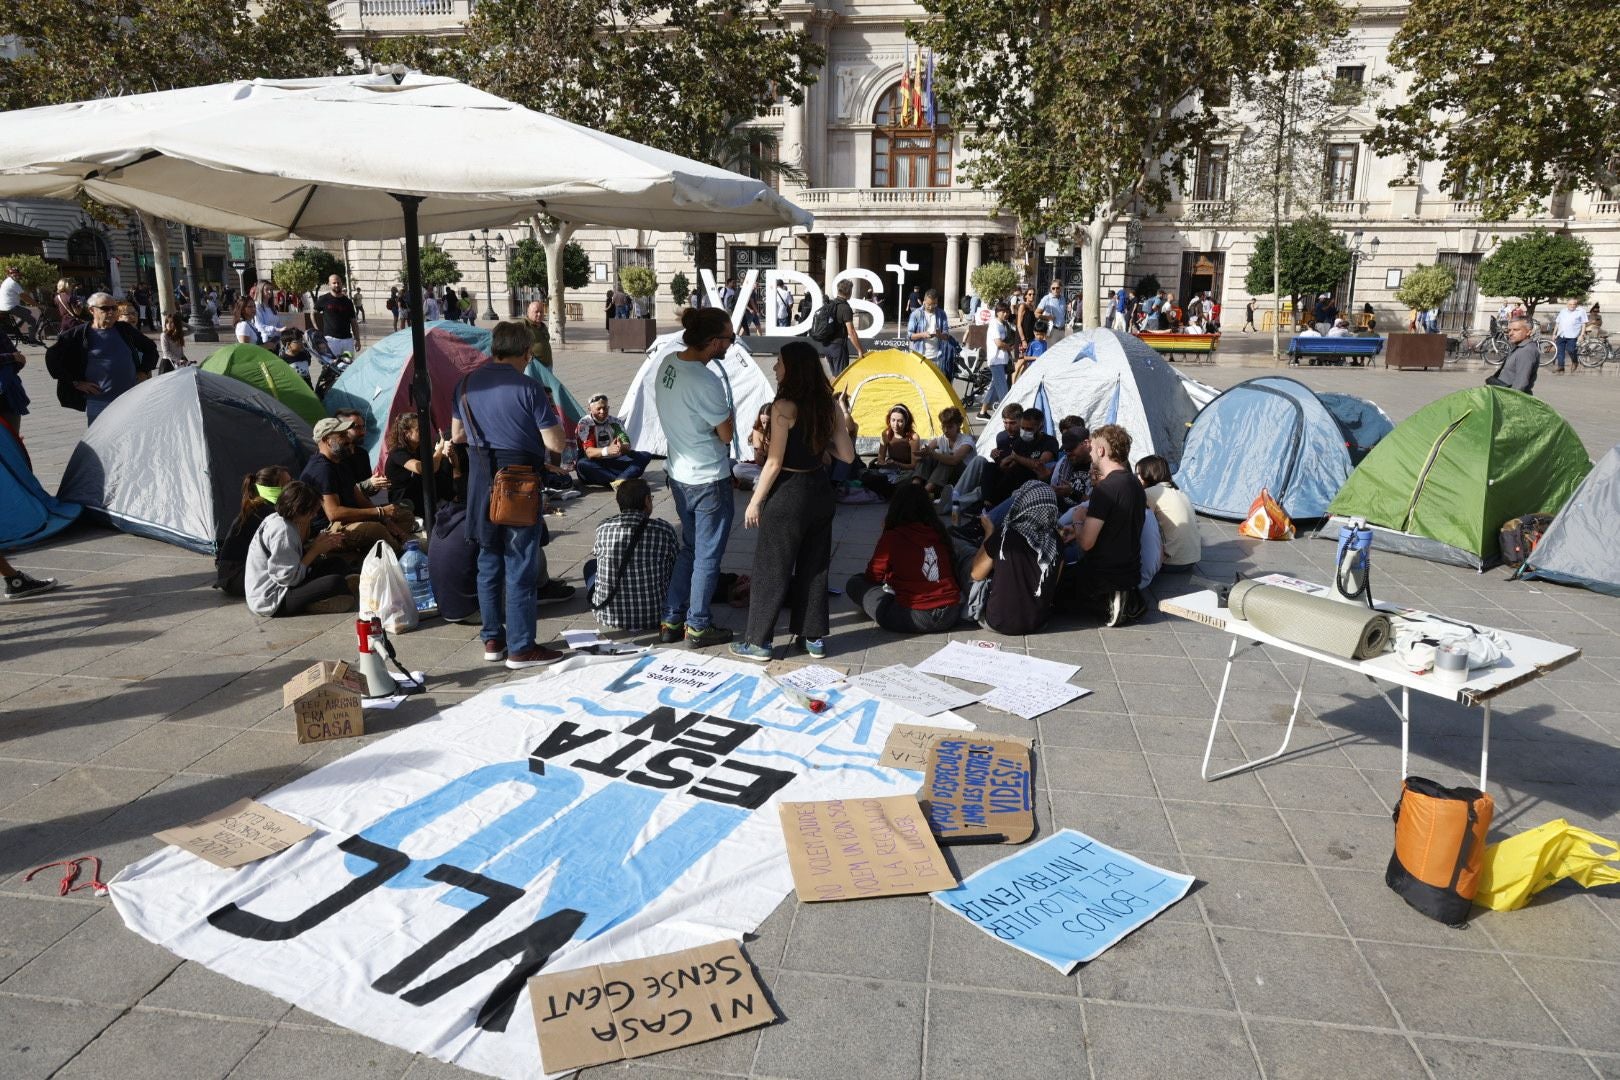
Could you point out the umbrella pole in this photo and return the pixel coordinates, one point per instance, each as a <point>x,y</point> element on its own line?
<point>421,389</point>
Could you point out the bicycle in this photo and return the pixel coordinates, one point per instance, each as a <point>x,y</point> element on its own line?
<point>1491,345</point>
<point>1594,351</point>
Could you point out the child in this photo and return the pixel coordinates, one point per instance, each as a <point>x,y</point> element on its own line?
<point>1038,346</point>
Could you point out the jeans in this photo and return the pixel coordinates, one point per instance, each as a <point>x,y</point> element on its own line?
<point>998,386</point>
<point>1566,346</point>
<point>509,572</point>
<point>604,471</point>
<point>705,511</point>
<point>887,611</point>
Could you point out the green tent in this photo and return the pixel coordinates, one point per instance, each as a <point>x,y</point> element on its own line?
<point>1442,483</point>
<point>264,370</point>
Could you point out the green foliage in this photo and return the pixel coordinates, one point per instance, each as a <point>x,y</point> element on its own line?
<point>68,51</point>
<point>1148,286</point>
<point>527,268</point>
<point>38,276</point>
<point>576,266</point>
<point>323,262</point>
<point>1537,267</point>
<point>296,276</point>
<point>680,289</point>
<point>438,268</point>
<point>992,281</point>
<point>1519,101</point>
<point>1314,259</point>
<point>1424,286</point>
<point>638,281</point>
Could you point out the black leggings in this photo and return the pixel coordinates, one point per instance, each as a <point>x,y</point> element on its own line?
<point>792,556</point>
<point>310,591</point>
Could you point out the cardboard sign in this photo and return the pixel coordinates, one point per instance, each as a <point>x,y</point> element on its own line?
<point>922,694</point>
<point>594,1015</point>
<point>242,832</point>
<point>907,745</point>
<point>1066,899</point>
<point>979,789</point>
<point>850,849</point>
<point>326,702</point>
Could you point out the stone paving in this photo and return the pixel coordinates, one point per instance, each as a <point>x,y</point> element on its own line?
<point>135,699</point>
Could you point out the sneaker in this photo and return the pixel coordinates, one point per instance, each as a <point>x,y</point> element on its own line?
<point>942,505</point>
<point>565,494</point>
<point>759,654</point>
<point>20,586</point>
<point>669,633</point>
<point>709,635</point>
<point>494,651</point>
<point>816,647</point>
<point>533,656</point>
<point>1125,606</point>
<point>554,592</point>
<point>333,605</point>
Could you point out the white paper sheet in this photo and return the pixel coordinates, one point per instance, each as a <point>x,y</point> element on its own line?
<point>578,639</point>
<point>809,678</point>
<point>900,685</point>
<point>997,667</point>
<point>1031,699</point>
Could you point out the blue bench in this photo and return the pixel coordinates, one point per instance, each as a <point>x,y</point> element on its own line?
<point>1333,350</point>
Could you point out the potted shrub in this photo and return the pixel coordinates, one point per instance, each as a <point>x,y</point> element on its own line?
<point>1423,287</point>
<point>635,334</point>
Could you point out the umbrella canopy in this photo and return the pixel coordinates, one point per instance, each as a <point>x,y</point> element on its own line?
<point>473,158</point>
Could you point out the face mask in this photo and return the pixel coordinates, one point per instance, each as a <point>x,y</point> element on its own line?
<point>268,494</point>
<point>1027,436</point>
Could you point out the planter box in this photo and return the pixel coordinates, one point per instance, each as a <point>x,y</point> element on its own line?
<point>1419,351</point>
<point>631,335</point>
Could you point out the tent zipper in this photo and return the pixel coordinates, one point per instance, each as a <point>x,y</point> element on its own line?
<point>1423,475</point>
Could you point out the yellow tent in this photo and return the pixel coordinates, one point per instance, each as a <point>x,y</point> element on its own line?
<point>888,377</point>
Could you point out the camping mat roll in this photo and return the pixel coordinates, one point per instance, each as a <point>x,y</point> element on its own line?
<point>1316,622</point>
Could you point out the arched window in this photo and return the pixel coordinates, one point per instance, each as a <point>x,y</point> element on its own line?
<point>87,248</point>
<point>909,153</point>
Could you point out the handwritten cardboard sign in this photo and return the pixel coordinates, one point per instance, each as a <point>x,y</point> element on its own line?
<point>907,745</point>
<point>850,849</point>
<point>978,786</point>
<point>242,832</point>
<point>1066,899</point>
<point>594,1015</point>
<point>325,699</point>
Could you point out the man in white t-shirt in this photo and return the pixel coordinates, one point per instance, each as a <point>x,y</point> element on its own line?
<point>1571,321</point>
<point>697,418</point>
<point>13,302</point>
<point>944,455</point>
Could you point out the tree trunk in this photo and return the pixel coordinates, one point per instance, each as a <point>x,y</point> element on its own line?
<point>1091,238</point>
<point>556,310</point>
<point>157,234</point>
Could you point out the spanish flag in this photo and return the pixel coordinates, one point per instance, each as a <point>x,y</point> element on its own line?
<point>905,89</point>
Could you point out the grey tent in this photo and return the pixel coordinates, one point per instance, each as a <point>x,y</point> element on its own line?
<point>166,460</point>
<point>1579,546</point>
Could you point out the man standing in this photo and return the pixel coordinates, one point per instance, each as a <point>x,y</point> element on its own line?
<point>605,456</point>
<point>926,327</point>
<point>1052,308</point>
<point>784,305</point>
<point>534,317</point>
<point>13,302</point>
<point>337,315</point>
<point>1571,322</point>
<point>1518,371</point>
<point>1122,309</point>
<point>692,403</point>
<point>506,420</point>
<point>96,361</point>
<point>849,339</point>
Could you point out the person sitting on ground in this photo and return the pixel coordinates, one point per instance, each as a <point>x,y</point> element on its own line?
<point>605,454</point>
<point>357,460</point>
<point>633,555</point>
<point>746,473</point>
<point>1014,573</point>
<point>1071,476</point>
<point>1029,454</point>
<point>898,453</point>
<point>843,473</point>
<point>403,467</point>
<point>22,586</point>
<point>260,491</point>
<point>452,558</point>
<point>1109,531</point>
<point>1178,523</point>
<point>909,585</point>
<point>943,457</point>
<point>344,507</point>
<point>277,577</point>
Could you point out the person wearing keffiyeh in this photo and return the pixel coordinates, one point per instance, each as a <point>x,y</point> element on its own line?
<point>1017,568</point>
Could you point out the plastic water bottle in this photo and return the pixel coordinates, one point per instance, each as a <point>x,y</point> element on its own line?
<point>956,508</point>
<point>415,565</point>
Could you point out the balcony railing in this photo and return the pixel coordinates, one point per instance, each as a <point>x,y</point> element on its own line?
<point>1204,208</point>
<point>355,16</point>
<point>861,198</point>
<point>1608,207</point>
<point>1459,208</point>
<point>1346,207</point>
<point>395,9</point>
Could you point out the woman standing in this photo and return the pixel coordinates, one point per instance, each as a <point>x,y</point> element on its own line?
<point>172,344</point>
<point>1024,319</point>
<point>69,308</point>
<point>393,306</point>
<point>247,328</point>
<point>793,507</point>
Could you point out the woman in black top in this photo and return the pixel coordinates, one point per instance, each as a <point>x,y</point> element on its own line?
<point>792,507</point>
<point>1026,316</point>
<point>260,490</point>
<point>404,464</point>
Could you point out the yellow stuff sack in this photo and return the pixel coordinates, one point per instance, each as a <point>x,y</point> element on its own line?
<point>1523,865</point>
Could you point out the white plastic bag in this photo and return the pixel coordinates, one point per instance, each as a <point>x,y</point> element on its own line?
<point>383,590</point>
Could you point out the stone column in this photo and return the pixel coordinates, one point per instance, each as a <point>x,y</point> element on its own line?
<point>852,254</point>
<point>975,256</point>
<point>951,301</point>
<point>832,264</point>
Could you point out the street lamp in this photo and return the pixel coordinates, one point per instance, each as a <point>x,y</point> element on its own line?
<point>1357,255</point>
<point>489,257</point>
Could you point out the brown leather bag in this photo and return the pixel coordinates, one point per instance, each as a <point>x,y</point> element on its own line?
<point>515,493</point>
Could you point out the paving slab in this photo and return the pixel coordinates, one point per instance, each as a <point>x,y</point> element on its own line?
<point>38,1037</point>
<point>154,1046</point>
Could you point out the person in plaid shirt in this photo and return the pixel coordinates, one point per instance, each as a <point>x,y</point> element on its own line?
<point>605,455</point>
<point>629,587</point>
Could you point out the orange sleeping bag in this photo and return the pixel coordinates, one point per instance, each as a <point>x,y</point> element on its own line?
<point>1439,848</point>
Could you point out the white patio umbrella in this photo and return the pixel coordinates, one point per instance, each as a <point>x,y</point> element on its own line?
<point>367,157</point>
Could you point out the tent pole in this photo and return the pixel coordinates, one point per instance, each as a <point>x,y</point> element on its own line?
<point>421,389</point>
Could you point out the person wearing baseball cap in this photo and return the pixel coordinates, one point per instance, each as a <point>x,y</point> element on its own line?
<point>344,507</point>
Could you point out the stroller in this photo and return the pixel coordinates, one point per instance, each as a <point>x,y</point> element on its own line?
<point>331,365</point>
<point>973,368</point>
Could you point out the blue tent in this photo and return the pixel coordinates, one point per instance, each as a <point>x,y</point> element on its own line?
<point>27,514</point>
<point>1275,433</point>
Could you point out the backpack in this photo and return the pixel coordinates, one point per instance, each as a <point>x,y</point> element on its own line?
<point>1519,537</point>
<point>1439,848</point>
<point>825,328</point>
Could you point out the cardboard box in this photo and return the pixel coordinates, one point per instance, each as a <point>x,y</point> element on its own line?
<point>325,700</point>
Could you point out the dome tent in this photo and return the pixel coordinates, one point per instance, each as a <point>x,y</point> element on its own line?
<point>1107,377</point>
<point>1579,547</point>
<point>264,370</point>
<point>166,459</point>
<point>27,514</point>
<point>1274,433</point>
<point>1441,484</point>
<point>884,378</point>
<point>746,386</point>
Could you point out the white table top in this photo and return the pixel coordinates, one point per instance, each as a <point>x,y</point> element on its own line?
<point>1523,658</point>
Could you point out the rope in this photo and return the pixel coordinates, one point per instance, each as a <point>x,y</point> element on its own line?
<point>70,874</point>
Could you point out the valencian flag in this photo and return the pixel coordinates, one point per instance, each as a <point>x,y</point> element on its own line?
<point>905,89</point>
<point>916,90</point>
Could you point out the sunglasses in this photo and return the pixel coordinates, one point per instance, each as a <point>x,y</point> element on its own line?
<point>107,307</point>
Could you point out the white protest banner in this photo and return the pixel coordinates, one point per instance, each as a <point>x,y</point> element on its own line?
<point>1066,899</point>
<point>587,817</point>
<point>997,667</point>
<point>1031,699</point>
<point>910,690</point>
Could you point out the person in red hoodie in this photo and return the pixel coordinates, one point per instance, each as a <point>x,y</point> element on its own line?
<point>909,586</point>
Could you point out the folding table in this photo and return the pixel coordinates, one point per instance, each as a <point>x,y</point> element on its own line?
<point>1524,659</point>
